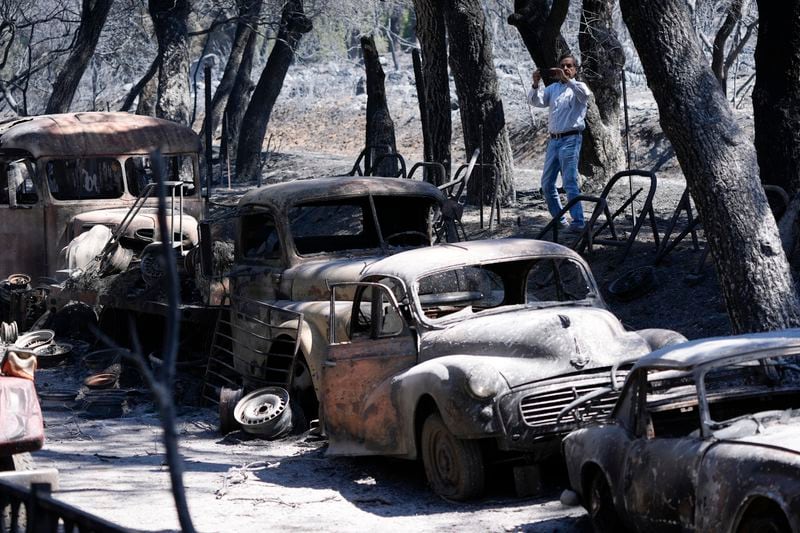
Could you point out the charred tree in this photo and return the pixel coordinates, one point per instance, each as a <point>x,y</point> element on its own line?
<point>732,15</point>
<point>248,13</point>
<point>776,96</point>
<point>432,37</point>
<point>237,101</point>
<point>138,88</point>
<point>294,24</point>
<point>602,66</point>
<point>539,24</point>
<point>93,17</point>
<point>170,19</point>
<point>482,116</point>
<point>720,166</point>
<point>147,98</point>
<point>379,138</point>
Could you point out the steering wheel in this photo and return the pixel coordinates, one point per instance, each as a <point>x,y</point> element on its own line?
<point>424,238</point>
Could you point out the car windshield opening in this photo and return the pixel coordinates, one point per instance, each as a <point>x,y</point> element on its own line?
<point>348,224</point>
<point>475,288</point>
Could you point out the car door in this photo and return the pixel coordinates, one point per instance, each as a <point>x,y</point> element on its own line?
<point>22,222</point>
<point>661,465</point>
<point>356,403</point>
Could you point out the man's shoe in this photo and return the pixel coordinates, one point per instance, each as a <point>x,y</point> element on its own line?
<point>575,228</point>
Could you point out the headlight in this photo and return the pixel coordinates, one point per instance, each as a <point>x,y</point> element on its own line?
<point>483,382</point>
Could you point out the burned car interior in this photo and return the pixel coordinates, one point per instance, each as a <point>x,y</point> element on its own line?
<point>737,396</point>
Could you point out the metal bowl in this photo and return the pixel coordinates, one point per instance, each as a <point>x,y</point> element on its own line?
<point>50,355</point>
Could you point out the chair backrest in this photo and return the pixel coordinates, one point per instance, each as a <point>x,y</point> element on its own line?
<point>455,187</point>
<point>367,155</point>
<point>440,172</point>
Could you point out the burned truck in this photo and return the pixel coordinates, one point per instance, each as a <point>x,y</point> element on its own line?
<point>61,176</point>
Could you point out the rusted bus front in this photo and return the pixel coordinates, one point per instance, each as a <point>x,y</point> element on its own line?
<point>55,167</point>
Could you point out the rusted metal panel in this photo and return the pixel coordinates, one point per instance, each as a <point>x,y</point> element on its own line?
<point>354,416</point>
<point>281,195</point>
<point>94,134</point>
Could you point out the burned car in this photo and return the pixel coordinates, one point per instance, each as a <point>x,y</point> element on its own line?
<point>705,436</point>
<point>444,352</point>
<point>62,175</point>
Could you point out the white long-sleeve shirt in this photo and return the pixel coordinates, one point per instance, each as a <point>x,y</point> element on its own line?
<point>567,104</point>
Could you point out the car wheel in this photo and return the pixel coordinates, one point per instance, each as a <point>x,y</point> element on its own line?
<point>601,506</point>
<point>771,523</point>
<point>453,466</point>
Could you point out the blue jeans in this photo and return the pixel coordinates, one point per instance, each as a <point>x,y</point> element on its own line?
<point>562,156</point>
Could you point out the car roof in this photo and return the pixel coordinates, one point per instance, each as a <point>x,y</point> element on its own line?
<point>410,265</point>
<point>279,196</point>
<point>95,134</point>
<point>702,352</point>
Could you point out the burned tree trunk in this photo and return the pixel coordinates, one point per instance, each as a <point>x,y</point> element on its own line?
<point>539,25</point>
<point>294,24</point>
<point>138,89</point>
<point>236,106</point>
<point>432,37</point>
<point>170,25</point>
<point>379,138</point>
<point>601,68</point>
<point>732,15</point>
<point>147,98</point>
<point>776,96</point>
<point>93,18</point>
<point>482,116</point>
<point>248,12</point>
<point>720,166</point>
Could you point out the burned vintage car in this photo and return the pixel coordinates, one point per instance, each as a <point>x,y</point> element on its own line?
<point>62,175</point>
<point>705,437</point>
<point>451,351</point>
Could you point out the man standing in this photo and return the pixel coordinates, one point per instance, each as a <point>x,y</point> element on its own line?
<point>567,101</point>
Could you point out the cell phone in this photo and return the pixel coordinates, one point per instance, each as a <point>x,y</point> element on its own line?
<point>554,72</point>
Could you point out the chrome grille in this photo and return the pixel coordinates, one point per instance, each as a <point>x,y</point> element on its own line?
<point>541,409</point>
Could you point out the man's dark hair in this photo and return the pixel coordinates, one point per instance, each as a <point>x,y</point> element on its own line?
<point>572,57</point>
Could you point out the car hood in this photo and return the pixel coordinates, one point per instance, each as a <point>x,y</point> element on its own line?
<point>560,340</point>
<point>142,228</point>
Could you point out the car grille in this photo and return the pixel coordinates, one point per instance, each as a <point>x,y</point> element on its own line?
<point>541,409</point>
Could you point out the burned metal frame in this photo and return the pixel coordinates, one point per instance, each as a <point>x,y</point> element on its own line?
<point>43,513</point>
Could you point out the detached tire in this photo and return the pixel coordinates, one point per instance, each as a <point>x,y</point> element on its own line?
<point>454,467</point>
<point>601,506</point>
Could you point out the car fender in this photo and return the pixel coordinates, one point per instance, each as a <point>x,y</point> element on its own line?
<point>444,380</point>
<point>659,338</point>
<point>733,475</point>
<point>595,447</point>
